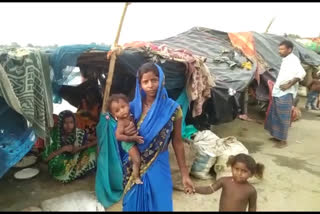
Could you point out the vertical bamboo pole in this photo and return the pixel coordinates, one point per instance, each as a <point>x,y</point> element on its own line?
<point>113,61</point>
<point>270,23</point>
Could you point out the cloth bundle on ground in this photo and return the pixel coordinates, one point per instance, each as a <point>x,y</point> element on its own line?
<point>234,147</point>
<point>206,154</point>
<point>214,151</point>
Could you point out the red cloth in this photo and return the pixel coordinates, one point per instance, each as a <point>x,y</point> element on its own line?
<point>39,144</point>
<point>244,41</point>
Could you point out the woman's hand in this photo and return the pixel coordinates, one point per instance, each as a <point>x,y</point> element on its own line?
<point>130,129</point>
<point>76,149</point>
<point>188,185</point>
<point>68,148</point>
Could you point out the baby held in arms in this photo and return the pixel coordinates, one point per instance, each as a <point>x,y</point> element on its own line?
<point>118,106</point>
<point>237,193</point>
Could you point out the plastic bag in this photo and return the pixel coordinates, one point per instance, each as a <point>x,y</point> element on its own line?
<point>234,147</point>
<point>206,151</point>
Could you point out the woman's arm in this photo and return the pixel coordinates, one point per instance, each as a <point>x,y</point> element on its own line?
<point>77,149</point>
<point>58,152</point>
<point>180,156</point>
<point>179,147</point>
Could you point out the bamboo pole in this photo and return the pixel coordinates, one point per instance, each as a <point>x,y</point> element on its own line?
<point>267,30</point>
<point>113,61</point>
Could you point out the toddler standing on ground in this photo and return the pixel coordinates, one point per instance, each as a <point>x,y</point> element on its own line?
<point>237,193</point>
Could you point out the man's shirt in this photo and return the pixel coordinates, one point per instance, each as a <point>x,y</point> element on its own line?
<point>290,68</point>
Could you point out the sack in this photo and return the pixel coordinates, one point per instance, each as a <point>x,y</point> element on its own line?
<point>204,145</point>
<point>201,166</point>
<point>234,147</point>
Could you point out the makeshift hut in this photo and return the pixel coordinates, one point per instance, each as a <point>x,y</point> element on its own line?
<point>207,71</point>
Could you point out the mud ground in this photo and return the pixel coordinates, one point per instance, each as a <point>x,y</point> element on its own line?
<point>291,182</point>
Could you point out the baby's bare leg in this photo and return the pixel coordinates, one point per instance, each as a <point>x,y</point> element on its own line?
<point>136,161</point>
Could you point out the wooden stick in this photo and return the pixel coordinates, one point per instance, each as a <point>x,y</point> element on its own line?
<point>112,62</point>
<point>272,20</point>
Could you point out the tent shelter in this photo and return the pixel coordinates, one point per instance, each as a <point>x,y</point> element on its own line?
<point>213,67</point>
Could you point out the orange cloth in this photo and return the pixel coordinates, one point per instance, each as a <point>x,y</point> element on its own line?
<point>87,120</point>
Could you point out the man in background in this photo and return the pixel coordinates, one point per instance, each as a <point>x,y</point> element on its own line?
<point>284,91</point>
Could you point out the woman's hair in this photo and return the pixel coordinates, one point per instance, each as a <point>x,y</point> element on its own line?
<point>66,114</point>
<point>92,96</point>
<point>147,67</point>
<point>255,168</point>
<point>116,97</point>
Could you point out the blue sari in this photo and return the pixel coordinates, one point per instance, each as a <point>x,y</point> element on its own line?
<point>114,169</point>
<point>155,194</point>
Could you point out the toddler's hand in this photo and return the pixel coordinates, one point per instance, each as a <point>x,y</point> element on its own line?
<point>139,139</point>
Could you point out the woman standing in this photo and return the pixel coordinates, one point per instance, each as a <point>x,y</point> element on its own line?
<point>158,120</point>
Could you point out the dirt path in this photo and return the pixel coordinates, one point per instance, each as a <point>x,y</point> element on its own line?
<point>291,183</point>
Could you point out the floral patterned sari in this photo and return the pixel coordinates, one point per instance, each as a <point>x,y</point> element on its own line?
<point>67,167</point>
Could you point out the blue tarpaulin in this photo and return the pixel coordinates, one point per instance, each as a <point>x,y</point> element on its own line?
<point>63,60</point>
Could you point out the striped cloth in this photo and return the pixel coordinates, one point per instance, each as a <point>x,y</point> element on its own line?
<point>25,86</point>
<point>278,117</point>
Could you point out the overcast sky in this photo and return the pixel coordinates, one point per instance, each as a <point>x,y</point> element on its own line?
<point>83,23</point>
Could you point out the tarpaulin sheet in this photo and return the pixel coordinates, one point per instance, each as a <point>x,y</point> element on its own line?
<point>267,46</point>
<point>63,60</point>
<point>130,61</point>
<point>222,58</point>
